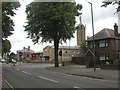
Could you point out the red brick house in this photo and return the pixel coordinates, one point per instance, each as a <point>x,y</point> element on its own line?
<point>37,55</point>
<point>25,53</point>
<point>106,47</point>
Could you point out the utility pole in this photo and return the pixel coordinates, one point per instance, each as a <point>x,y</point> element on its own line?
<point>93,35</point>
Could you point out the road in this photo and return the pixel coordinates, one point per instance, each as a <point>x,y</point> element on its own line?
<point>36,76</point>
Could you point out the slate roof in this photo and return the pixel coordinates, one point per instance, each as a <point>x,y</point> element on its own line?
<point>104,34</point>
<point>25,50</point>
<point>65,47</point>
<point>69,47</point>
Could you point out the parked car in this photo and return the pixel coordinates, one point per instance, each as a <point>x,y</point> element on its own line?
<point>2,60</point>
<point>14,61</point>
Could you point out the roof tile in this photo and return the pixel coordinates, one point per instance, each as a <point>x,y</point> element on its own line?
<point>104,34</point>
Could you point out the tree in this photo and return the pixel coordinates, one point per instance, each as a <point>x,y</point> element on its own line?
<point>107,2</point>
<point>6,46</point>
<point>83,46</point>
<point>51,21</point>
<point>12,55</point>
<point>7,23</point>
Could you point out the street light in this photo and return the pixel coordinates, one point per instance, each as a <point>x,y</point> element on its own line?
<point>93,34</point>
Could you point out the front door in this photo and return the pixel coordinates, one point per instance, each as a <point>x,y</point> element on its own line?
<point>90,59</point>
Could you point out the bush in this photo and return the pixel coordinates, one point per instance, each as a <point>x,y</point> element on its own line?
<point>104,62</point>
<point>116,62</point>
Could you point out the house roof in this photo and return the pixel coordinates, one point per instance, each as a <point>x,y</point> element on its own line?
<point>65,47</point>
<point>40,51</point>
<point>48,46</point>
<point>69,47</point>
<point>25,50</point>
<point>89,51</point>
<point>104,34</point>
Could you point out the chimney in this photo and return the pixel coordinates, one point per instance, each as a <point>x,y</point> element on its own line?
<point>23,47</point>
<point>28,47</point>
<point>116,30</point>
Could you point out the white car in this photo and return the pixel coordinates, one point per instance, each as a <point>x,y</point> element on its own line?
<point>14,61</point>
<point>2,60</point>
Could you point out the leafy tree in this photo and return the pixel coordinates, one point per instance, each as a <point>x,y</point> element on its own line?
<point>83,46</point>
<point>12,55</point>
<point>6,46</point>
<point>51,21</point>
<point>7,23</point>
<point>108,2</point>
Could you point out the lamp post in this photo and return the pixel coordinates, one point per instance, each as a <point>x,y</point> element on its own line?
<point>93,35</point>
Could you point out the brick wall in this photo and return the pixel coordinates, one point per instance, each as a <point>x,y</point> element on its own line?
<point>111,49</point>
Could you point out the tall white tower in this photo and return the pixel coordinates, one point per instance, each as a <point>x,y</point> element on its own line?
<point>80,33</point>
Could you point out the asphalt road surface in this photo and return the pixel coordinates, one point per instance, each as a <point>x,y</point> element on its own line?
<point>36,76</point>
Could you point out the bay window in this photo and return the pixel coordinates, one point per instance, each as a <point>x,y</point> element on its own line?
<point>104,57</point>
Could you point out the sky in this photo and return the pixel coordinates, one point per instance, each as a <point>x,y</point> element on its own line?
<point>103,18</point>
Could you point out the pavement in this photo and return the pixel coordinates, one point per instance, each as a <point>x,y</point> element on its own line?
<point>3,84</point>
<point>81,70</point>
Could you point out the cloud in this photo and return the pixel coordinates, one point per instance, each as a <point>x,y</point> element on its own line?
<point>103,17</point>
<point>98,11</point>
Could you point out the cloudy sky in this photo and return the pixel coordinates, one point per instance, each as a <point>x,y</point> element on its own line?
<point>103,18</point>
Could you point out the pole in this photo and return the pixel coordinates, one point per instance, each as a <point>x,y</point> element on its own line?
<point>93,38</point>
<point>93,35</point>
<point>62,57</point>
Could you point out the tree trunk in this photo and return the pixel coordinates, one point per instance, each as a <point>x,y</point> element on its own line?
<point>56,46</point>
<point>2,54</point>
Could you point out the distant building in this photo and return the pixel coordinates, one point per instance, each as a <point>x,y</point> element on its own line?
<point>107,46</point>
<point>25,53</point>
<point>80,33</point>
<point>68,52</point>
<point>37,55</point>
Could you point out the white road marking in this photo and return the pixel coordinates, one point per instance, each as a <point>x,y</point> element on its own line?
<point>26,72</point>
<point>48,79</point>
<point>79,88</point>
<point>75,87</point>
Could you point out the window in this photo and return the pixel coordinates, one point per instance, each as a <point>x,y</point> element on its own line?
<point>107,56</point>
<point>103,57</point>
<point>78,52</point>
<point>91,45</point>
<point>103,43</point>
